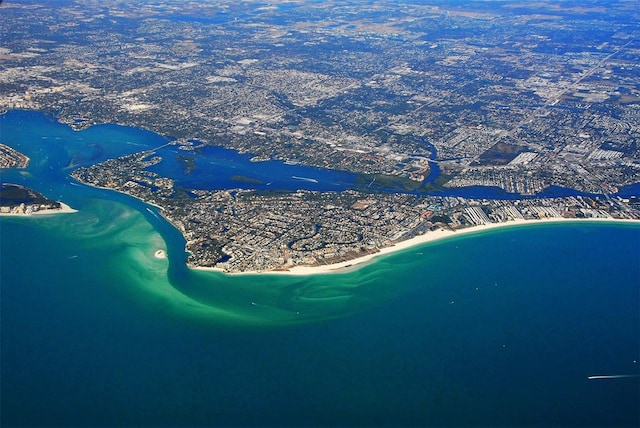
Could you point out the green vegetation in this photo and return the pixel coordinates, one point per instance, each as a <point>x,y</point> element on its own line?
<point>188,163</point>
<point>382,181</point>
<point>437,185</point>
<point>244,179</point>
<point>500,154</point>
<point>440,218</point>
<point>248,195</point>
<point>12,195</point>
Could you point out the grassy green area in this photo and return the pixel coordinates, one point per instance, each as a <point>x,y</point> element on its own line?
<point>383,181</point>
<point>188,163</point>
<point>437,185</point>
<point>11,195</point>
<point>244,179</point>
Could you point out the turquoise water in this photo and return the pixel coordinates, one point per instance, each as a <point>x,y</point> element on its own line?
<point>500,328</point>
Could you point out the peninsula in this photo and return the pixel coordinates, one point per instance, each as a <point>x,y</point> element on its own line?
<point>244,230</point>
<point>10,158</point>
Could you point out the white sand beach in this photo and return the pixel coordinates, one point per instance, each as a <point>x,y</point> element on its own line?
<point>431,236</point>
<point>64,209</point>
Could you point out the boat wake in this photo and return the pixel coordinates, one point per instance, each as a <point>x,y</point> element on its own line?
<point>310,180</point>
<point>618,376</point>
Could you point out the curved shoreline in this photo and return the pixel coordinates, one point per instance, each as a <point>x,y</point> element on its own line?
<point>437,235</point>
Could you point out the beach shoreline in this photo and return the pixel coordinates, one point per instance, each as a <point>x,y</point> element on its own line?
<point>431,236</point>
<point>64,209</point>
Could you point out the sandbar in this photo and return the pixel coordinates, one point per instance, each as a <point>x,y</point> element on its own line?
<point>430,236</point>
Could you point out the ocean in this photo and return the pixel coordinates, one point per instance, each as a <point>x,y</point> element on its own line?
<point>498,328</point>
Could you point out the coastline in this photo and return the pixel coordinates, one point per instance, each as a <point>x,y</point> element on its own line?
<point>437,235</point>
<point>64,209</point>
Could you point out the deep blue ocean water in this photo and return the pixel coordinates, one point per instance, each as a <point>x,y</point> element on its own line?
<point>500,328</point>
